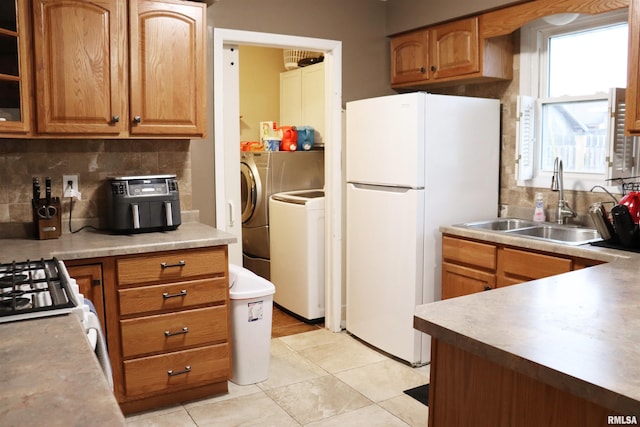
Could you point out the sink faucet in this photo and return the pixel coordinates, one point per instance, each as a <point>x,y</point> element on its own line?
<point>563,211</point>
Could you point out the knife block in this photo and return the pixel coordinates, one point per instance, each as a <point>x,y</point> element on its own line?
<point>48,228</point>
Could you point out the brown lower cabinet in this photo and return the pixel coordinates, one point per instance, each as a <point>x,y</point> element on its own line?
<point>167,319</point>
<point>470,266</point>
<point>465,387</point>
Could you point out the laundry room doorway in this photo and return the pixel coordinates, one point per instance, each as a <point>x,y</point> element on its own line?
<point>227,154</point>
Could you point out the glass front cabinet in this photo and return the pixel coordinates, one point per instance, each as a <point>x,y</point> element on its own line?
<point>14,81</point>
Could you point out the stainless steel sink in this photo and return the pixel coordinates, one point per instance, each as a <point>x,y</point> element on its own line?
<point>560,234</point>
<point>568,235</point>
<point>501,224</point>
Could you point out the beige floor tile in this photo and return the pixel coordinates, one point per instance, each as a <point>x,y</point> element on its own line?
<point>252,410</point>
<point>313,339</point>
<point>317,399</point>
<point>370,416</point>
<point>289,368</point>
<point>234,391</point>
<point>343,354</point>
<point>174,418</point>
<point>153,413</point>
<point>383,380</point>
<point>407,409</point>
<point>278,346</point>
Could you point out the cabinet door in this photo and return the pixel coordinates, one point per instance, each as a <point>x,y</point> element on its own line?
<point>89,279</point>
<point>516,266</point>
<point>291,98</point>
<point>458,280</point>
<point>454,48</point>
<point>168,74</point>
<point>312,90</point>
<point>15,84</point>
<point>80,65</point>
<point>632,120</point>
<point>410,57</point>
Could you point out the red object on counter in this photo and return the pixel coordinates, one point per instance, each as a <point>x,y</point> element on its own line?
<point>289,138</point>
<point>632,202</point>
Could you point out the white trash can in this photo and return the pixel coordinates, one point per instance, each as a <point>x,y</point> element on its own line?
<point>251,315</point>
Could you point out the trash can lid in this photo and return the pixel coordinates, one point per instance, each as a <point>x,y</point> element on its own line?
<point>245,284</point>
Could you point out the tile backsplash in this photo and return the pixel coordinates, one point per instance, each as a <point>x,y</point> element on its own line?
<point>92,161</point>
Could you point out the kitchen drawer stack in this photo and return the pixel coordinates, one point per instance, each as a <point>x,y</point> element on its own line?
<point>174,326</point>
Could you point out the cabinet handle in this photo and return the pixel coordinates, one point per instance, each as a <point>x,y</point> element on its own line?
<point>180,263</point>
<point>115,119</point>
<point>433,68</point>
<point>137,119</point>
<point>423,70</point>
<point>182,293</point>
<point>186,369</point>
<point>487,288</point>
<point>96,282</point>
<point>181,332</point>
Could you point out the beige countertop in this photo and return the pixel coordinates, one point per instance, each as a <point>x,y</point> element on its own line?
<point>577,331</point>
<point>583,251</point>
<point>51,377</point>
<point>96,244</point>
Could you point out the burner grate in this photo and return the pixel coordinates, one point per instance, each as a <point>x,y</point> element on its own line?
<point>34,287</point>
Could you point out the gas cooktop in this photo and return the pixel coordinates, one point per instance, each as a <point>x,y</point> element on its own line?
<point>30,289</point>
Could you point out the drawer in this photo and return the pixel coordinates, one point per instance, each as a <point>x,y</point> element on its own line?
<point>469,252</point>
<point>165,332</point>
<point>172,266</point>
<point>172,296</point>
<point>531,265</point>
<point>178,370</point>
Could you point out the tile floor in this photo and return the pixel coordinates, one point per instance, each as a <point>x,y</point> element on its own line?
<point>316,378</point>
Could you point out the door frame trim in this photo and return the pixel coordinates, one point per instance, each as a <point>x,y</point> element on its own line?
<point>333,147</point>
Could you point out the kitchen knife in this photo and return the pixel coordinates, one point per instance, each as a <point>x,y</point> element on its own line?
<point>36,191</point>
<point>47,190</point>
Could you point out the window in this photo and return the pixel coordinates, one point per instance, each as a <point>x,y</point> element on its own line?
<point>567,100</point>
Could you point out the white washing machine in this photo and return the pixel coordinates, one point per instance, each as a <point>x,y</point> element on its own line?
<point>296,220</point>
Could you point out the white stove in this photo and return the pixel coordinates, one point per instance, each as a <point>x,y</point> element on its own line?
<point>43,288</point>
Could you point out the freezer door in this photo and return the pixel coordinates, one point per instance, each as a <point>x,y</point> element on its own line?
<point>384,268</point>
<point>385,140</point>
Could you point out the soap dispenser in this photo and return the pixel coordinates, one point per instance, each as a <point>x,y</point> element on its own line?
<point>538,213</point>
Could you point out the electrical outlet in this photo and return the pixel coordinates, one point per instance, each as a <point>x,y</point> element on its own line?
<point>70,190</point>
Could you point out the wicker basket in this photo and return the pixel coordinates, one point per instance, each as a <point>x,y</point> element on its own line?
<point>292,56</point>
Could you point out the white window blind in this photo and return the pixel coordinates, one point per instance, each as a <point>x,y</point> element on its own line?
<point>623,149</point>
<point>525,137</point>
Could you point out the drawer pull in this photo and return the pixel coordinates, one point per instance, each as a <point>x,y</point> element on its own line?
<point>186,369</point>
<point>180,263</point>
<point>171,334</point>
<point>182,293</point>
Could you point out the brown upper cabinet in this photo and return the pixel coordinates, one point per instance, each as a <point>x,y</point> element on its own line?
<point>120,68</point>
<point>15,77</point>
<point>449,52</point>
<point>632,115</point>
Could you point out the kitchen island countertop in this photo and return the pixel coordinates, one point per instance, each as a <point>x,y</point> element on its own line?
<point>51,377</point>
<point>577,331</point>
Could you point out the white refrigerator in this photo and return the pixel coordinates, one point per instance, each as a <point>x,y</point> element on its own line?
<point>414,162</point>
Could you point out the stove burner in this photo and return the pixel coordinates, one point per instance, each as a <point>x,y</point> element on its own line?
<point>14,304</point>
<point>12,279</point>
<point>14,293</point>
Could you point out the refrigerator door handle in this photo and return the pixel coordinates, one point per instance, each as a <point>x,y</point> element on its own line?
<point>378,187</point>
